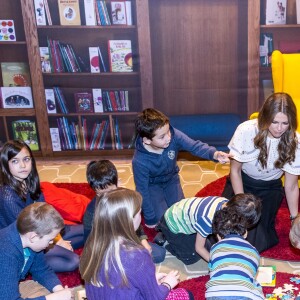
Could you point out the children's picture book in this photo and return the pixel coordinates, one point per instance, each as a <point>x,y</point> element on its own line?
<point>40,13</point>
<point>120,55</point>
<point>94,60</point>
<point>15,74</point>
<point>17,97</point>
<point>83,102</point>
<point>97,99</point>
<point>50,101</point>
<point>275,12</point>
<point>55,139</point>
<point>266,275</point>
<point>266,47</point>
<point>45,60</point>
<point>89,12</point>
<point>26,131</point>
<point>69,13</point>
<point>7,31</point>
<point>118,13</point>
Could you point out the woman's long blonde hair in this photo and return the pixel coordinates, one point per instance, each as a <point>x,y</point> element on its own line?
<point>276,103</point>
<point>112,226</point>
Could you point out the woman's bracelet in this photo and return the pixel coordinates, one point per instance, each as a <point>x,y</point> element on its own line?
<point>166,285</point>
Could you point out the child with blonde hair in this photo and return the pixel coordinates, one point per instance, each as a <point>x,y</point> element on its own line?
<point>114,264</point>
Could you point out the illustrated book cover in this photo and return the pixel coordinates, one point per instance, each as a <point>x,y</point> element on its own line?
<point>266,47</point>
<point>17,97</point>
<point>266,275</point>
<point>97,99</point>
<point>69,13</point>
<point>89,12</point>
<point>50,101</point>
<point>118,13</point>
<point>120,55</point>
<point>7,31</point>
<point>83,102</point>
<point>55,139</point>
<point>26,131</point>
<point>40,13</point>
<point>15,74</point>
<point>275,12</point>
<point>94,60</point>
<point>45,59</point>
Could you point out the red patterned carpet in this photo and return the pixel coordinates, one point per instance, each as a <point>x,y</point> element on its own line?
<point>197,285</point>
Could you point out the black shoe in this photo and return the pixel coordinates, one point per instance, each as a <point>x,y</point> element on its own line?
<point>159,239</point>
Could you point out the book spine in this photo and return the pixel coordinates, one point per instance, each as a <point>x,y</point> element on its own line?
<point>117,97</point>
<point>101,15</point>
<point>97,142</point>
<point>102,60</point>
<point>113,101</point>
<point>127,100</point>
<point>128,12</point>
<point>74,56</point>
<point>49,19</point>
<point>103,135</point>
<point>97,13</point>
<point>106,14</point>
<point>89,12</point>
<point>108,101</point>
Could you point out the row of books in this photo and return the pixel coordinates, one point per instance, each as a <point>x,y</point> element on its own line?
<point>267,47</point>
<point>96,12</point>
<point>61,57</point>
<point>87,102</point>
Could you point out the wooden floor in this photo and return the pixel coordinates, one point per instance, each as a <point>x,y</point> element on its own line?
<point>194,175</point>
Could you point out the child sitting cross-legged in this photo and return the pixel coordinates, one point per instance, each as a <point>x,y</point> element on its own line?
<point>21,252</point>
<point>114,264</point>
<point>233,261</point>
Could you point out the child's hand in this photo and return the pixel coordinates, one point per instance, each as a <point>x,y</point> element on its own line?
<point>222,157</point>
<point>172,279</point>
<point>65,244</point>
<point>160,277</point>
<point>146,245</point>
<point>64,294</point>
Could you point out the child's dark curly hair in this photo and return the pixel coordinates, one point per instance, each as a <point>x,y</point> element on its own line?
<point>228,221</point>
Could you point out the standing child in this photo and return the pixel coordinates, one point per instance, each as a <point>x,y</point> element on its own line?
<point>21,252</point>
<point>20,187</point>
<point>114,264</point>
<point>233,261</point>
<point>154,163</point>
<point>187,223</point>
<point>102,176</point>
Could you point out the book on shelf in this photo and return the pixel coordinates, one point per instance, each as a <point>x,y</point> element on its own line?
<point>69,134</point>
<point>69,12</point>
<point>94,60</point>
<point>15,74</point>
<point>120,55</point>
<point>60,100</point>
<point>268,88</point>
<point>50,101</point>
<point>275,12</point>
<point>266,275</point>
<point>118,13</point>
<point>89,12</point>
<point>83,102</point>
<point>45,59</point>
<point>40,12</point>
<point>128,12</point>
<point>25,130</point>
<point>55,139</point>
<point>298,11</point>
<point>48,14</point>
<point>266,47</point>
<point>117,134</point>
<point>103,66</point>
<point>97,100</point>
<point>7,30</point>
<point>17,97</point>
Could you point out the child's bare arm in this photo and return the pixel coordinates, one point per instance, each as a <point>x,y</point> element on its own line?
<point>200,247</point>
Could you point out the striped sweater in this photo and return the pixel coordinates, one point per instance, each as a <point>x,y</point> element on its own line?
<point>233,266</point>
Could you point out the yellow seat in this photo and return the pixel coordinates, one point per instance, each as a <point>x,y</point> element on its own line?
<point>286,77</point>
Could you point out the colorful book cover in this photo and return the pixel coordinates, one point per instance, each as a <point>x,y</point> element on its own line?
<point>69,13</point>
<point>50,101</point>
<point>40,14</point>
<point>118,13</point>
<point>55,139</point>
<point>266,47</point>
<point>26,131</point>
<point>45,59</point>
<point>120,55</point>
<point>15,74</point>
<point>7,31</point>
<point>275,12</point>
<point>266,275</point>
<point>97,99</point>
<point>94,60</point>
<point>17,97</point>
<point>83,102</point>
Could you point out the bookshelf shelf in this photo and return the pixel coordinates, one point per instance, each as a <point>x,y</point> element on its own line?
<point>21,43</point>
<point>18,112</point>
<point>84,27</point>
